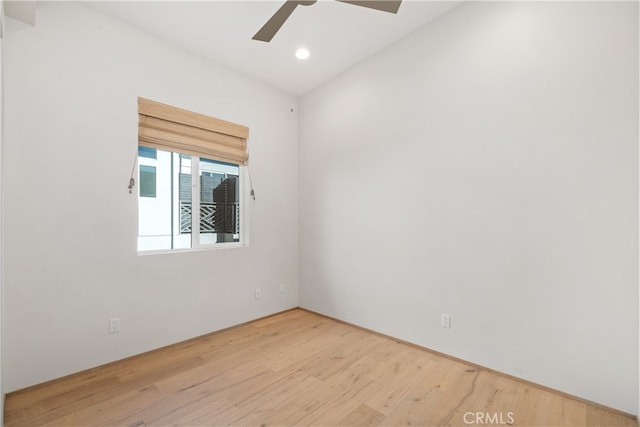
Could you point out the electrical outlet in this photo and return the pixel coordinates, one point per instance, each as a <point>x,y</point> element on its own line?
<point>258,293</point>
<point>282,288</point>
<point>445,320</point>
<point>114,325</point>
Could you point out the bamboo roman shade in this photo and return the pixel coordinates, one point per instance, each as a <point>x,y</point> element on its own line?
<point>173,129</point>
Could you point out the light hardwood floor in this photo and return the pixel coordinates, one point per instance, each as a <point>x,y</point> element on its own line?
<point>296,369</point>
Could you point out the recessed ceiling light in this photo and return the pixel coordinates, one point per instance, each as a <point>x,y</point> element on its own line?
<point>302,53</point>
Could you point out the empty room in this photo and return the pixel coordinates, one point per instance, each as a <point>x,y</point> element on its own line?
<point>319,213</point>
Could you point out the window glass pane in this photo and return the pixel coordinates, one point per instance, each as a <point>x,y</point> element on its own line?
<point>154,213</point>
<point>147,181</point>
<point>219,202</point>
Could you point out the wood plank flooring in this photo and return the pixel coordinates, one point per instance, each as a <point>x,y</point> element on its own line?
<point>296,369</point>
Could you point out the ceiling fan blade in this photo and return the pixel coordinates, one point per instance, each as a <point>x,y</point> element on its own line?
<point>274,23</point>
<point>390,6</point>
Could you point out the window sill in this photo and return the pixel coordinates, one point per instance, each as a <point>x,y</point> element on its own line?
<point>234,245</point>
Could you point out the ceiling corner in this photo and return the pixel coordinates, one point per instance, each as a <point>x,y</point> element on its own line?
<point>23,10</point>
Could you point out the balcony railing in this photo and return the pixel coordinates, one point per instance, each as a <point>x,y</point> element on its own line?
<point>207,218</point>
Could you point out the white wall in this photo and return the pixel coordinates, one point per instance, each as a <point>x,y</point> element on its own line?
<point>486,167</point>
<point>71,91</point>
<point>2,26</point>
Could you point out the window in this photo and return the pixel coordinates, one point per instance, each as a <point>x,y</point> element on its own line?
<point>147,181</point>
<point>190,192</point>
<point>149,153</point>
<point>166,219</point>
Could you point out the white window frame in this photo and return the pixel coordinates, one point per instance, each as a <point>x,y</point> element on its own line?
<point>243,199</point>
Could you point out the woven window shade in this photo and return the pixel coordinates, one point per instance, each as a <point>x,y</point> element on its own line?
<point>173,129</point>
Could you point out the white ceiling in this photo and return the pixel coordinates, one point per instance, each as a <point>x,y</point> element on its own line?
<point>338,35</point>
